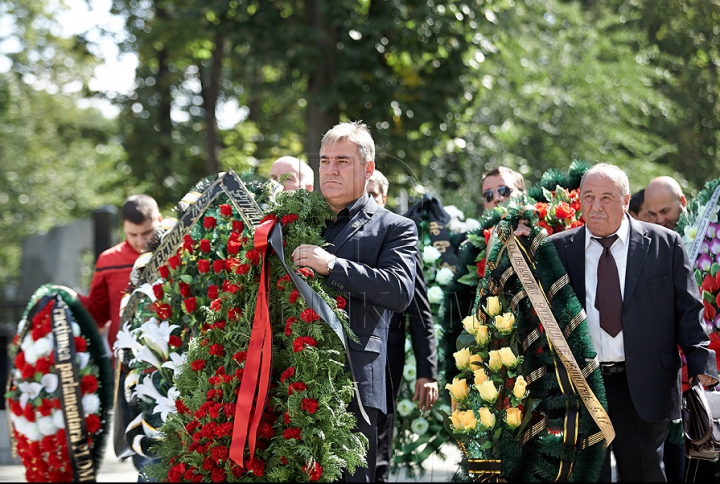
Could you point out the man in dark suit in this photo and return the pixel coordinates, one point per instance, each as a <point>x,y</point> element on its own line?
<point>658,309</point>
<point>371,258</point>
<point>418,317</point>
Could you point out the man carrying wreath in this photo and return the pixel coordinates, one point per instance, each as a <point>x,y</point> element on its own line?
<point>371,258</point>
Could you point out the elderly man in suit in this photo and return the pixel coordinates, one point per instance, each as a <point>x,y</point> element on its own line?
<point>636,284</point>
<point>371,257</point>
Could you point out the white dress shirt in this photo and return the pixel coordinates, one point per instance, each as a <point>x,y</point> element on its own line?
<point>608,349</point>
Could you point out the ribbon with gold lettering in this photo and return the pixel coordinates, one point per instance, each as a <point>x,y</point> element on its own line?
<point>69,389</point>
<point>256,379</point>
<point>556,338</point>
<point>438,219</point>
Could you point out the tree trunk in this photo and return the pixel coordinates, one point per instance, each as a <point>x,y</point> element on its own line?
<point>163,86</point>
<point>210,93</point>
<point>319,119</point>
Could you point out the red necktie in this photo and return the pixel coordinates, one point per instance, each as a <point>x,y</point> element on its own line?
<point>608,298</point>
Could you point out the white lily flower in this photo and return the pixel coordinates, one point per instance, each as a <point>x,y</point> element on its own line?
<point>157,335</point>
<point>49,382</point>
<point>126,339</point>
<point>146,388</point>
<point>176,360</point>
<point>32,390</point>
<point>147,290</point>
<point>146,354</point>
<point>166,405</point>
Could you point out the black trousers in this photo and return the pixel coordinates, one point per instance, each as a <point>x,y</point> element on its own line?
<point>638,445</point>
<point>365,474</point>
<point>386,423</point>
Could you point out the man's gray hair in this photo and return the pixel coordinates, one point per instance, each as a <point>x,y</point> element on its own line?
<point>381,181</point>
<point>616,174</point>
<point>355,132</point>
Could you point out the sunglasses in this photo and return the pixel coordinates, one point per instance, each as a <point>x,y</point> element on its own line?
<point>502,190</point>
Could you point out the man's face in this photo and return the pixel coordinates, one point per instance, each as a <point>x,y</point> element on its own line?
<point>493,188</point>
<point>663,207</point>
<point>342,174</point>
<point>138,235</point>
<point>281,168</point>
<point>602,204</point>
<point>644,215</point>
<point>375,191</point>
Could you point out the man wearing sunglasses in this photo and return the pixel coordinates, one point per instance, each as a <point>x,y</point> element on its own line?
<point>499,185</point>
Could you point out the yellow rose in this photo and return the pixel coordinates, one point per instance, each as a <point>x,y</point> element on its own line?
<point>492,306</point>
<point>480,377</point>
<point>482,335</point>
<point>475,362</point>
<point>495,362</point>
<point>520,386</point>
<point>513,417</point>
<point>487,418</point>
<point>471,323</point>
<point>458,389</point>
<point>508,357</point>
<point>463,420</point>
<point>488,392</point>
<point>505,322</point>
<point>461,358</point>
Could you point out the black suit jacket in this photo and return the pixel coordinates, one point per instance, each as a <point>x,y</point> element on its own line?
<point>375,267</point>
<point>661,311</point>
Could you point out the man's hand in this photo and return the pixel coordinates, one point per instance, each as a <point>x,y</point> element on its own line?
<point>705,380</point>
<point>426,393</point>
<point>313,257</point>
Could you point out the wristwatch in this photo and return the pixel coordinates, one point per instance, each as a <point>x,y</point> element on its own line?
<point>330,265</point>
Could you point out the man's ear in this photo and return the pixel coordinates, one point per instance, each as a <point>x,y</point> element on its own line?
<point>369,169</point>
<point>683,201</point>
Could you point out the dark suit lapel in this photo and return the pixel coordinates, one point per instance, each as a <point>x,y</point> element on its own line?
<point>576,263</point>
<point>356,223</point>
<point>637,253</point>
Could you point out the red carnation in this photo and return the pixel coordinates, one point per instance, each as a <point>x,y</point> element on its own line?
<point>92,423</point>
<point>164,272</point>
<point>217,349</point>
<point>286,418</point>
<point>341,302</point>
<point>203,266</point>
<point>266,431</point>
<point>88,384</point>
<point>253,256</point>
<point>45,408</point>
<point>212,292</point>
<point>216,305</point>
<point>242,269</point>
<point>176,472</point>
<point>42,365</point>
<point>175,341</point>
<point>197,365</point>
<point>288,329</point>
<point>288,219</point>
<point>314,471</point>
<point>205,246</point>
<point>257,466</point>
<point>309,315</point>
<point>306,271</point>
<point>190,305</point>
<point>293,296</point>
<point>282,282</point>
<point>297,386</point>
<point>181,407</point>
<point>29,412</point>
<point>310,405</point>
<point>209,223</point>
<point>234,314</point>
<point>302,341</point>
<point>228,286</point>
<point>19,359</point>
<point>547,228</point>
<point>226,210</point>
<point>16,408</point>
<point>292,433</point>
<point>80,344</point>
<point>240,356</point>
<point>173,262</point>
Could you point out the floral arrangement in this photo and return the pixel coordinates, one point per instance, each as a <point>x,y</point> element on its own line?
<point>305,432</point>
<point>154,342</point>
<point>35,409</point>
<point>512,418</point>
<point>419,435</point>
<point>707,264</point>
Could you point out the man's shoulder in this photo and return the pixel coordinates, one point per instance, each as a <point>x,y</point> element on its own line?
<point>117,256</point>
<point>390,218</point>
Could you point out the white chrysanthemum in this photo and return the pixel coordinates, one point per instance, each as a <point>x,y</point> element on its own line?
<point>457,226</point>
<point>44,346</point>
<point>58,419</point>
<point>471,224</point>
<point>75,328</point>
<point>430,254</point>
<point>454,212</point>
<point>444,276</point>
<point>408,345</point>
<point>82,359</point>
<point>419,426</point>
<point>405,407</point>
<point>31,355</point>
<point>435,295</point>
<point>46,426</point>
<point>49,382</point>
<point>409,372</point>
<point>31,431</point>
<point>27,342</point>
<point>91,403</point>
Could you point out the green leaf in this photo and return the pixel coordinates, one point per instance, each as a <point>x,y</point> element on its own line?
<point>714,268</point>
<point>708,297</point>
<point>187,278</point>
